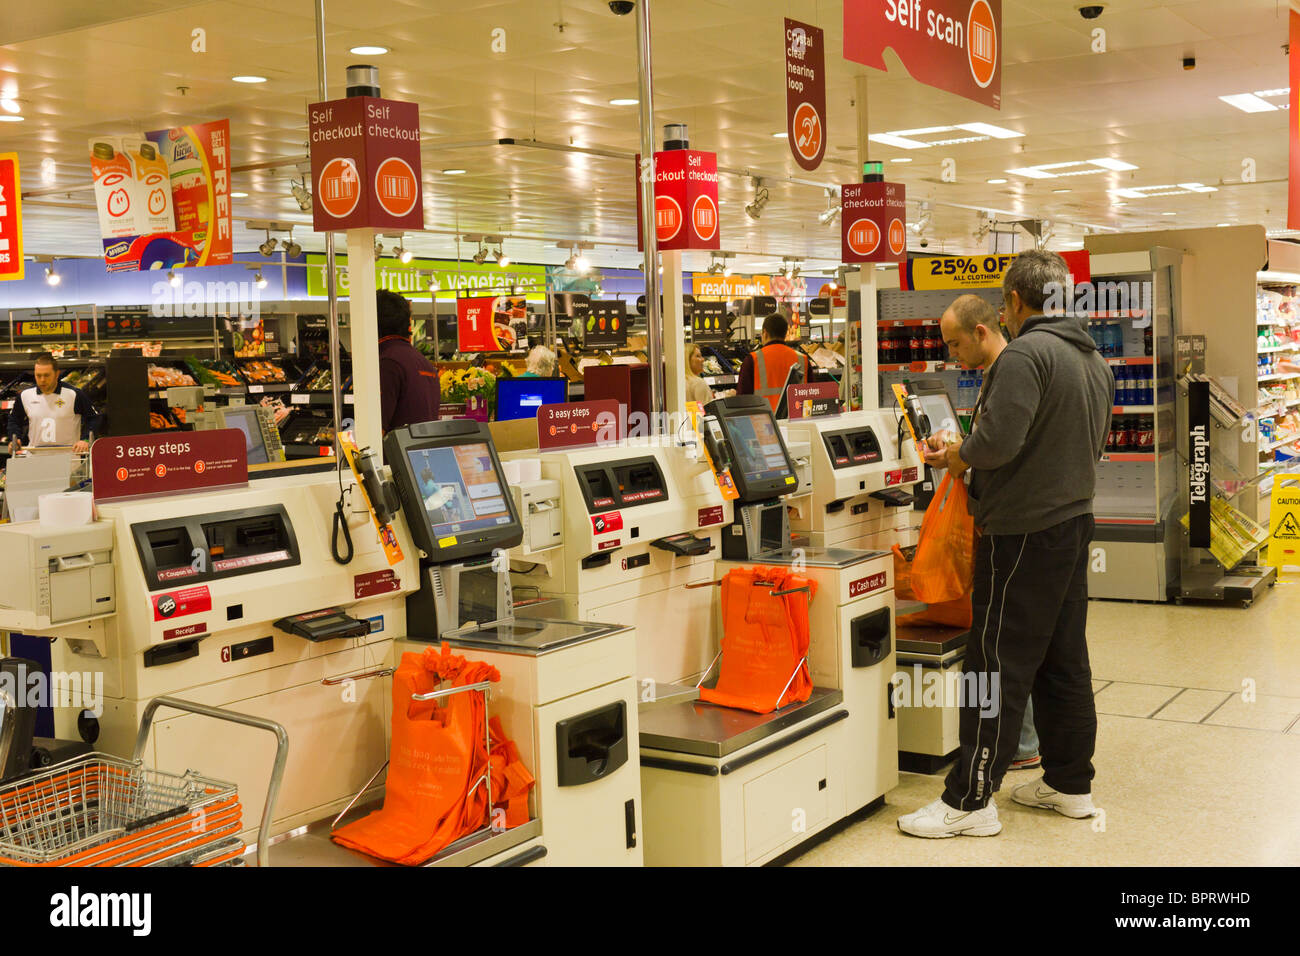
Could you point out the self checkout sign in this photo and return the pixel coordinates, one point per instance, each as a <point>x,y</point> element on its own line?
<point>11,219</point>
<point>873,222</point>
<point>686,200</point>
<point>365,164</point>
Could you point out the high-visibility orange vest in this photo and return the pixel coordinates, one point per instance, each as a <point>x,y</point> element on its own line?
<point>772,363</point>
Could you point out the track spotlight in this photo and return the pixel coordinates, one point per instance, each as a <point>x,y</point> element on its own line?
<point>291,248</point>
<point>173,279</point>
<point>379,248</point>
<point>754,210</point>
<point>302,194</point>
<point>52,277</point>
<point>267,248</point>
<point>403,256</point>
<point>581,263</point>
<point>260,279</point>
<point>502,259</point>
<point>832,207</point>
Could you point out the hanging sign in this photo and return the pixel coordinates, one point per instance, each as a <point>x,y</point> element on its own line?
<point>709,322</point>
<point>686,200</point>
<point>483,325</point>
<point>953,45</point>
<point>1198,463</point>
<point>873,222</point>
<point>11,219</point>
<point>574,424</point>
<point>365,164</point>
<point>976,272</point>
<point>164,199</point>
<point>805,93</point>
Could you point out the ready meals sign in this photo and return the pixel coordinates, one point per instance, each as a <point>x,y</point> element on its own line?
<point>411,279</point>
<point>953,45</point>
<point>730,287</point>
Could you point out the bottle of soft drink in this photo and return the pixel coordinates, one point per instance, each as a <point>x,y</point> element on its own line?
<point>1147,433</point>
<point>1110,436</point>
<point>914,343</point>
<point>1124,435</point>
<point>1116,339</point>
<point>1121,384</point>
<point>882,346</point>
<point>1149,372</point>
<point>1147,342</point>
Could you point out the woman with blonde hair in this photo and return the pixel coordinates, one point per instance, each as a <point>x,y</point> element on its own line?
<point>697,390</point>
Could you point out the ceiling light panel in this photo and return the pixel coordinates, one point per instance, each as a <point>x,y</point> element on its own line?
<point>1083,167</point>
<point>1248,103</point>
<point>913,138</point>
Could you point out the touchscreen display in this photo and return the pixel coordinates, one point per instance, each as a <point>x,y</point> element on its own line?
<point>939,410</point>
<point>245,419</point>
<point>460,489</point>
<point>757,447</point>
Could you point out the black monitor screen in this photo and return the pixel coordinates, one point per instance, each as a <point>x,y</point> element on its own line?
<point>245,419</point>
<point>522,397</point>
<point>459,488</point>
<point>757,446</point>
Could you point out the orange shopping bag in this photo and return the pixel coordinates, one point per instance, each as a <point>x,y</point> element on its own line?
<point>946,613</point>
<point>435,792</point>
<point>764,641</point>
<point>944,566</point>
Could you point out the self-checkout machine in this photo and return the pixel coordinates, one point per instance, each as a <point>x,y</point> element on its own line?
<point>567,694</point>
<point>863,471</point>
<point>722,786</point>
<point>629,526</point>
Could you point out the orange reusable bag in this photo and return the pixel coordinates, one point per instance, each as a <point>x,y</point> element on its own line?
<point>946,614</point>
<point>435,792</point>
<point>944,566</point>
<point>764,641</point>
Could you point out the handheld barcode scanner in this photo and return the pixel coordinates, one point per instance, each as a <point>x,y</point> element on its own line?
<point>918,423</point>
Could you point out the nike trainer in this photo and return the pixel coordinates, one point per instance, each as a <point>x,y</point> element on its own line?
<point>1039,794</point>
<point>938,820</point>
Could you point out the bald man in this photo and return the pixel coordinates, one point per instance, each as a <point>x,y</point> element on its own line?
<point>970,330</point>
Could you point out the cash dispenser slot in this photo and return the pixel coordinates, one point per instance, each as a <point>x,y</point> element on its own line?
<point>195,548</point>
<point>864,449</point>
<point>838,449</point>
<point>639,482</point>
<point>591,745</point>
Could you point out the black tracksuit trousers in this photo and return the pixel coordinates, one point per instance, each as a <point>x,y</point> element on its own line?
<point>1028,632</point>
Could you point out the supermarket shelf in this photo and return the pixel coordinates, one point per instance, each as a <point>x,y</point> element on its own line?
<point>1138,409</point>
<point>1279,348</point>
<point>1135,360</point>
<point>1278,376</point>
<point>1124,456</point>
<point>904,323</point>
<point>1294,436</point>
<point>261,389</point>
<point>920,367</point>
<point>316,398</point>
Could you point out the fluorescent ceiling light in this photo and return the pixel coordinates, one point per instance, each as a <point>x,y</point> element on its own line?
<point>453,172</point>
<point>249,79</point>
<point>782,135</point>
<point>1284,91</point>
<point>995,182</point>
<point>1169,214</point>
<point>901,159</point>
<point>369,50</point>
<point>1222,224</point>
<point>239,195</point>
<point>1081,167</point>
<point>7,118</point>
<point>1167,189</point>
<point>1060,190</point>
<point>1248,103</point>
<point>1198,188</point>
<point>624,101</point>
<point>1106,162</point>
<point>908,138</point>
<point>1031,172</point>
<point>10,105</point>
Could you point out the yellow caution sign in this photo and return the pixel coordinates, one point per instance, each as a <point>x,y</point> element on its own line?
<point>1284,522</point>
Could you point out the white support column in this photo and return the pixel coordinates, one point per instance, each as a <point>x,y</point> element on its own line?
<point>674,335</point>
<point>366,410</point>
<point>867,341</point>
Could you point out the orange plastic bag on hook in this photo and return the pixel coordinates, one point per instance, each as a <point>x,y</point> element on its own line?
<point>440,764</point>
<point>764,640</point>
<point>944,566</point>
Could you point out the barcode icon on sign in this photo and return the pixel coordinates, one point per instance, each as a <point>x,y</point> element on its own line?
<point>337,189</point>
<point>664,217</point>
<point>705,219</point>
<point>981,42</point>
<point>397,187</point>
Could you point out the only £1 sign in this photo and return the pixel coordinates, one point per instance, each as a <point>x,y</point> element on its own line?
<point>11,218</point>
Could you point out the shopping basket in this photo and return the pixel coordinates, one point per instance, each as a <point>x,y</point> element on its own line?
<point>101,810</point>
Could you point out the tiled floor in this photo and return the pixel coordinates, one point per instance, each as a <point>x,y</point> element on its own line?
<point>1198,753</point>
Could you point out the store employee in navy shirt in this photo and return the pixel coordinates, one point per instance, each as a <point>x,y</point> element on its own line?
<point>408,382</point>
<point>50,413</point>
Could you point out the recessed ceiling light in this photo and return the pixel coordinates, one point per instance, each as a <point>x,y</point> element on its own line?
<point>995,182</point>
<point>249,79</point>
<point>908,138</point>
<point>624,101</point>
<point>1248,103</point>
<point>781,135</point>
<point>7,118</point>
<point>453,172</point>
<point>10,105</point>
<point>1169,214</point>
<point>901,159</point>
<point>369,50</point>
<point>239,195</point>
<point>1078,167</point>
<point>1060,190</point>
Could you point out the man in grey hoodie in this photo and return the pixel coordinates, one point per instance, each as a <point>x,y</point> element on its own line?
<point>1039,428</point>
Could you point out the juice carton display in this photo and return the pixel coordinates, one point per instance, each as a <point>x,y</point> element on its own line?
<point>189,182</point>
<point>115,193</point>
<point>153,187</point>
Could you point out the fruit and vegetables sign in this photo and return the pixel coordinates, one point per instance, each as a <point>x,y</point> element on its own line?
<point>483,323</point>
<point>606,325</point>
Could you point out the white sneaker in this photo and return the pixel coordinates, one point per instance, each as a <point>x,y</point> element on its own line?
<point>937,820</point>
<point>1039,794</point>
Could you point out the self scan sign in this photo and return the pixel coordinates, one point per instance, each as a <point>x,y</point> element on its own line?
<point>686,200</point>
<point>953,45</point>
<point>873,222</point>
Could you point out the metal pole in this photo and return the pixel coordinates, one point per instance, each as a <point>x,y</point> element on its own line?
<point>654,323</point>
<point>336,378</point>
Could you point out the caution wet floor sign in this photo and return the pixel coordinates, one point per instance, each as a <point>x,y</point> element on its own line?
<point>1284,522</point>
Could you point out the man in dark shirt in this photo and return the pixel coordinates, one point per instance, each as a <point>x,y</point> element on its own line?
<point>408,382</point>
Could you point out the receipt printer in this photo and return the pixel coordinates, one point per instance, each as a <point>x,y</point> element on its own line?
<point>538,505</point>
<point>55,575</point>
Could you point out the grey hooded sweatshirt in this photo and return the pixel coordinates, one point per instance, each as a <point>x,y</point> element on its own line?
<point>1041,423</point>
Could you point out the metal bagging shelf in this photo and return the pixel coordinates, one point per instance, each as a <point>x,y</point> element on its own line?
<point>102,810</point>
